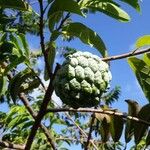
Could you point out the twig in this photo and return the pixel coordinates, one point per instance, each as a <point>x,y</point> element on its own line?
<point>82,131</point>
<point>41,112</point>
<point>108,112</point>
<point>11,145</point>
<point>126,55</point>
<point>90,132</point>
<point>78,140</point>
<point>62,21</point>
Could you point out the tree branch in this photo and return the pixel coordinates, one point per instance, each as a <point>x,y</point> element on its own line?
<point>41,112</point>
<point>108,112</point>
<point>90,132</point>
<point>11,145</point>
<point>126,55</point>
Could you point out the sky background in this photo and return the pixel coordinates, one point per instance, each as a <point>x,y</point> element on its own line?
<point>119,38</point>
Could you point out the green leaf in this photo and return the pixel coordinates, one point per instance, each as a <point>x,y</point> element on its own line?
<point>51,51</point>
<point>16,43</point>
<point>116,127</point>
<point>133,110</point>
<point>142,72</point>
<point>133,3</point>
<point>143,41</point>
<point>65,5</point>
<point>109,8</point>
<point>16,82</point>
<point>3,81</point>
<point>14,64</point>
<point>146,58</point>
<point>86,35</point>
<point>15,4</point>
<point>140,128</point>
<point>148,139</point>
<point>24,44</point>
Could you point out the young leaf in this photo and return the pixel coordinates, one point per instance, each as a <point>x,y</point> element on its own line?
<point>15,4</point>
<point>86,35</point>
<point>140,129</point>
<point>65,5</point>
<point>142,72</point>
<point>133,3</point>
<point>133,110</point>
<point>143,41</point>
<point>109,8</point>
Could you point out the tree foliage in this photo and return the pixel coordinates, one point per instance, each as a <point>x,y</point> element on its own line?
<point>24,89</point>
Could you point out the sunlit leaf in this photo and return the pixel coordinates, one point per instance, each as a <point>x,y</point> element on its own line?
<point>86,35</point>
<point>107,7</point>
<point>143,41</point>
<point>142,72</point>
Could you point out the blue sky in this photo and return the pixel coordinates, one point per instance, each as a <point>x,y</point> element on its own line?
<point>119,38</point>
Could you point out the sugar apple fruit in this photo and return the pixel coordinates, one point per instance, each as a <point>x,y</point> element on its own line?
<point>82,79</point>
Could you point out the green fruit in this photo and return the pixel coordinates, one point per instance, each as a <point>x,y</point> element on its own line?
<point>82,79</point>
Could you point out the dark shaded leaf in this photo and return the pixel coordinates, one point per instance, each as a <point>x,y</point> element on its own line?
<point>116,127</point>
<point>54,19</point>
<point>15,4</point>
<point>140,128</point>
<point>51,52</point>
<point>66,5</point>
<point>133,110</point>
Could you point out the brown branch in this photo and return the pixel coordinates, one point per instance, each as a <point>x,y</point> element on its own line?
<point>82,131</point>
<point>41,28</point>
<point>108,112</point>
<point>90,132</point>
<point>41,112</point>
<point>126,55</point>
<point>11,145</point>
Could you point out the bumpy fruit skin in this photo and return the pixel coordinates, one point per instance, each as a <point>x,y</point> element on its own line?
<point>82,79</point>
